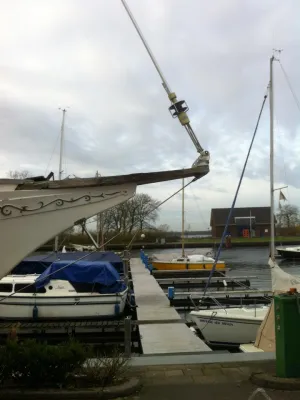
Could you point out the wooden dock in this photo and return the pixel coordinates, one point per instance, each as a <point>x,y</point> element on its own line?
<point>166,337</point>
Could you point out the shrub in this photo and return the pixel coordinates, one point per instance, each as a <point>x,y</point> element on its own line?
<point>103,371</point>
<point>31,363</point>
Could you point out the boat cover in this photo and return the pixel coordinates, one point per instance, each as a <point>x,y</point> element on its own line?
<point>36,264</point>
<point>281,282</point>
<point>100,273</point>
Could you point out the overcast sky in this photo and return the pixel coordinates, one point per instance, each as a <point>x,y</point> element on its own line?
<point>86,55</point>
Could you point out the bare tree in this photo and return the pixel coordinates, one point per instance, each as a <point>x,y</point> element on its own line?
<point>17,174</point>
<point>288,216</point>
<point>145,210</point>
<point>164,228</point>
<point>138,212</point>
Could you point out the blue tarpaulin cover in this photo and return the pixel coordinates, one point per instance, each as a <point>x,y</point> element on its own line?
<point>37,264</point>
<point>94,272</point>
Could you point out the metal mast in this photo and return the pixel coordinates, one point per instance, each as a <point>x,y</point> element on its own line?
<point>100,238</point>
<point>182,221</point>
<point>272,190</point>
<point>62,131</point>
<point>271,100</point>
<point>61,151</point>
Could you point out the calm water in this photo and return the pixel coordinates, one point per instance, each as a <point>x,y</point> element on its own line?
<point>243,262</point>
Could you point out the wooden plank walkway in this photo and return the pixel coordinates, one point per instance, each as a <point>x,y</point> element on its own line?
<point>153,305</point>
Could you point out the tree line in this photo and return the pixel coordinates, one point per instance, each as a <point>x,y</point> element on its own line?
<point>139,213</point>
<point>288,216</point>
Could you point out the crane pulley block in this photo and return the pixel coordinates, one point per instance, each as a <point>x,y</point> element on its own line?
<point>178,108</point>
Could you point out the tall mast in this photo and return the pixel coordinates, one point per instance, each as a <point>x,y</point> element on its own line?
<point>98,219</point>
<point>100,239</point>
<point>271,100</point>
<point>182,221</point>
<point>178,109</point>
<point>61,149</point>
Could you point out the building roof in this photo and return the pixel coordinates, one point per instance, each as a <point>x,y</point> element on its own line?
<point>219,215</point>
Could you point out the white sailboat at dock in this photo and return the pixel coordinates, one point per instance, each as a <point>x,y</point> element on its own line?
<point>65,290</point>
<point>240,325</point>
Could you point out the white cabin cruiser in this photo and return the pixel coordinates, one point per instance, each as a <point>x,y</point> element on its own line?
<point>289,252</point>
<point>65,290</point>
<point>229,325</point>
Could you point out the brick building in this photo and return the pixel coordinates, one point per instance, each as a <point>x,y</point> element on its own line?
<point>243,220</point>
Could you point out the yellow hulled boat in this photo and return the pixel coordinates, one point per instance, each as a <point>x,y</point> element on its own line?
<point>198,262</point>
<point>192,262</point>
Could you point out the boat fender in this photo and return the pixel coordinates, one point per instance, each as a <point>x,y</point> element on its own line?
<point>150,267</point>
<point>117,309</point>
<point>132,299</point>
<point>171,292</point>
<point>35,312</point>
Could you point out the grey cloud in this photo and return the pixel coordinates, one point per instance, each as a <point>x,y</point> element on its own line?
<point>89,57</point>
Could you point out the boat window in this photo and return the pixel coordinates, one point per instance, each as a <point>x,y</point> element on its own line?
<point>5,287</point>
<point>180,259</point>
<point>28,288</point>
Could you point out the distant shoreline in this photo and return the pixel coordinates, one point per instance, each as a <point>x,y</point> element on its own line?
<point>194,244</point>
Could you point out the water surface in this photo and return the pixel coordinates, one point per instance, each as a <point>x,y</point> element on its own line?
<point>242,261</point>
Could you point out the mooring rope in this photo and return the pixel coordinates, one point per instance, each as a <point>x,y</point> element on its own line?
<point>259,391</point>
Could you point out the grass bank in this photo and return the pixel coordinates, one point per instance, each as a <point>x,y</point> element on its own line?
<point>200,242</point>
<point>265,239</point>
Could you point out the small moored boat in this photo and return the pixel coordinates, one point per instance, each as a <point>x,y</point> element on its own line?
<point>81,290</point>
<point>190,262</point>
<point>231,325</point>
<point>290,252</point>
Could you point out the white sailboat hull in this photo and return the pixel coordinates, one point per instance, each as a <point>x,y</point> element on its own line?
<point>229,326</point>
<point>68,307</point>
<point>32,212</point>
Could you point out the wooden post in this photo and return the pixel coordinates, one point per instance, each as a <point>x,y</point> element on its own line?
<point>126,266</point>
<point>127,337</point>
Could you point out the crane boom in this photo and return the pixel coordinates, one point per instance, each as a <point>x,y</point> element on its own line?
<point>178,108</point>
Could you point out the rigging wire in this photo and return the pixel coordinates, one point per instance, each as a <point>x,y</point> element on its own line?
<point>56,141</point>
<point>295,99</point>
<point>243,286</point>
<point>280,134</point>
<point>198,207</point>
<point>235,196</point>
<point>290,85</point>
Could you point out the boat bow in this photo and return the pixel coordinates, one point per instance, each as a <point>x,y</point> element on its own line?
<point>33,212</point>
